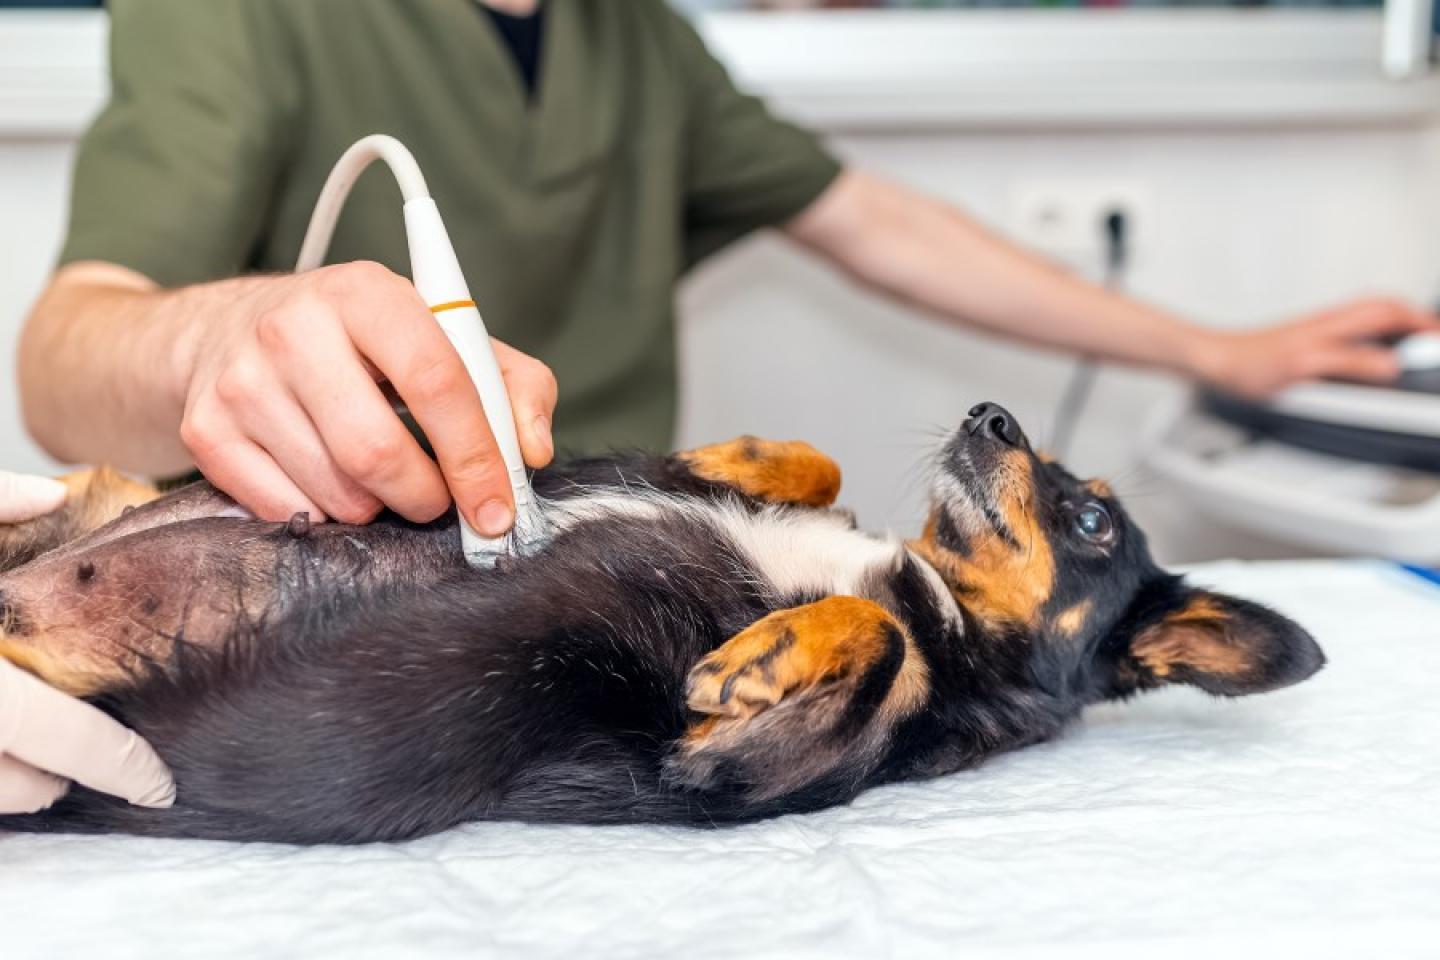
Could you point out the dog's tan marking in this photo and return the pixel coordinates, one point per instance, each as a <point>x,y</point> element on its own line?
<point>997,578</point>
<point>93,499</point>
<point>776,471</point>
<point>1194,637</point>
<point>1072,620</point>
<point>57,653</point>
<point>102,494</point>
<point>1100,488</point>
<point>76,661</point>
<point>73,679</point>
<point>834,639</point>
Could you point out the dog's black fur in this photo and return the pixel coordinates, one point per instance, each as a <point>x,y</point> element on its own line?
<point>555,688</point>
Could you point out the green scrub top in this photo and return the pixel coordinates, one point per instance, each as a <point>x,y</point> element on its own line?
<point>574,213</point>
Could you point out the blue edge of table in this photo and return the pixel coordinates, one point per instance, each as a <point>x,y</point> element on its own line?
<point>1428,574</point>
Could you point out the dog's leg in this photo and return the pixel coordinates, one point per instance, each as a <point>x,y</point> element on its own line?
<point>798,695</point>
<point>78,680</point>
<point>775,471</point>
<point>95,498</point>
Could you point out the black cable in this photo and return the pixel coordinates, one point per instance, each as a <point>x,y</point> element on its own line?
<point>1115,227</point>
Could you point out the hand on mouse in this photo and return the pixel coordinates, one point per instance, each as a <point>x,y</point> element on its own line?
<point>48,739</point>
<point>1342,343</point>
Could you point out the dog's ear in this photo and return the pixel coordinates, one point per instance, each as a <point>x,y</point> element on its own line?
<point>1224,645</point>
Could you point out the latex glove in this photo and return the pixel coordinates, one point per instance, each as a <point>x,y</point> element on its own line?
<point>25,498</point>
<point>48,739</point>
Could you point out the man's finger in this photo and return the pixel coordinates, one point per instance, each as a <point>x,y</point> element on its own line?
<point>276,422</point>
<point>1378,319</point>
<point>361,434</point>
<point>284,432</point>
<point>50,731</point>
<point>25,498</point>
<point>402,339</point>
<point>23,789</point>
<point>533,395</point>
<point>251,477</point>
<point>1364,363</point>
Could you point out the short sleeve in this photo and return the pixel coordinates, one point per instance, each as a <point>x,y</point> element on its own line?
<point>745,168</point>
<point>175,177</point>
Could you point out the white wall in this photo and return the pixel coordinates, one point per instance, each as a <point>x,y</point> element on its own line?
<point>52,78</point>
<point>34,181</point>
<point>1250,214</point>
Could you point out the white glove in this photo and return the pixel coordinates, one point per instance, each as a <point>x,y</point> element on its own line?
<point>25,498</point>
<point>47,738</point>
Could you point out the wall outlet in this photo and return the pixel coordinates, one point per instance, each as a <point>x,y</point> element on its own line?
<point>1064,220</point>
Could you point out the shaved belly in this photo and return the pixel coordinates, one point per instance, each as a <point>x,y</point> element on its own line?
<point>92,613</point>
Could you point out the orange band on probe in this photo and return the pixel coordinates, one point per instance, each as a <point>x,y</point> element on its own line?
<point>452,305</point>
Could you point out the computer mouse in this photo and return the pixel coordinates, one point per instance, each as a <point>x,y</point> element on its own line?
<point>1420,351</point>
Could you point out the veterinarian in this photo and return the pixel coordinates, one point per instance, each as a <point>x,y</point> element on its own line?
<point>586,154</point>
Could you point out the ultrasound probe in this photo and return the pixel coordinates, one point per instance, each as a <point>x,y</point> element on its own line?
<point>437,277</point>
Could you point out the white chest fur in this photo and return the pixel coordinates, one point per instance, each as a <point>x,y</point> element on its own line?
<point>792,550</point>
<point>808,551</point>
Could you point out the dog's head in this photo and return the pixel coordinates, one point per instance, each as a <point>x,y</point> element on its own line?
<point>1055,568</point>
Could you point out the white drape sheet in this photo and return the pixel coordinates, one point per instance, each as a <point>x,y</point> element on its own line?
<point>1308,820</point>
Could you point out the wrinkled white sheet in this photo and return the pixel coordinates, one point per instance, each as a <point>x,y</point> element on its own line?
<point>1306,823</point>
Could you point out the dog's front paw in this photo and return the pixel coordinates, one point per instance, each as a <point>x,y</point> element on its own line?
<point>770,470</point>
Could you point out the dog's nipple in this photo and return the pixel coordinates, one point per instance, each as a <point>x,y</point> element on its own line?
<point>298,527</point>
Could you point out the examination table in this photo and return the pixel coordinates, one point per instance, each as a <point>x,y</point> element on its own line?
<point>1303,823</point>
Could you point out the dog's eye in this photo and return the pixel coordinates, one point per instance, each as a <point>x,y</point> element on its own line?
<point>1092,521</point>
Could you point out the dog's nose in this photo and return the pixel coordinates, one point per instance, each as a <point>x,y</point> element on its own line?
<point>996,420</point>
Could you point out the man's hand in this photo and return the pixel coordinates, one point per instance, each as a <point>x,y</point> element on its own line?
<point>1349,342</point>
<point>272,387</point>
<point>48,739</point>
<point>284,413</point>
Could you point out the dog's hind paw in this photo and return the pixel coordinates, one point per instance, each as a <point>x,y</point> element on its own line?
<point>795,696</point>
<point>770,470</point>
<point>832,640</point>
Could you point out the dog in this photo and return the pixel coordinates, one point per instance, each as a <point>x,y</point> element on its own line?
<point>705,640</point>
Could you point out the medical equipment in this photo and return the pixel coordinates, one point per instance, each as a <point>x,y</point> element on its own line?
<point>1420,352</point>
<point>437,277</point>
<point>1115,231</point>
<point>1337,466</point>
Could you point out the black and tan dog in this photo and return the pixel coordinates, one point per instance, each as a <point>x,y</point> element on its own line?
<point>704,641</point>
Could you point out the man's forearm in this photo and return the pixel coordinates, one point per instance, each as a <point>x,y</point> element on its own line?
<point>101,367</point>
<point>926,253</point>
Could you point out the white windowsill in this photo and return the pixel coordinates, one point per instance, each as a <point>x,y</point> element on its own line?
<point>922,70</point>
<point>52,71</point>
<point>1134,67</point>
